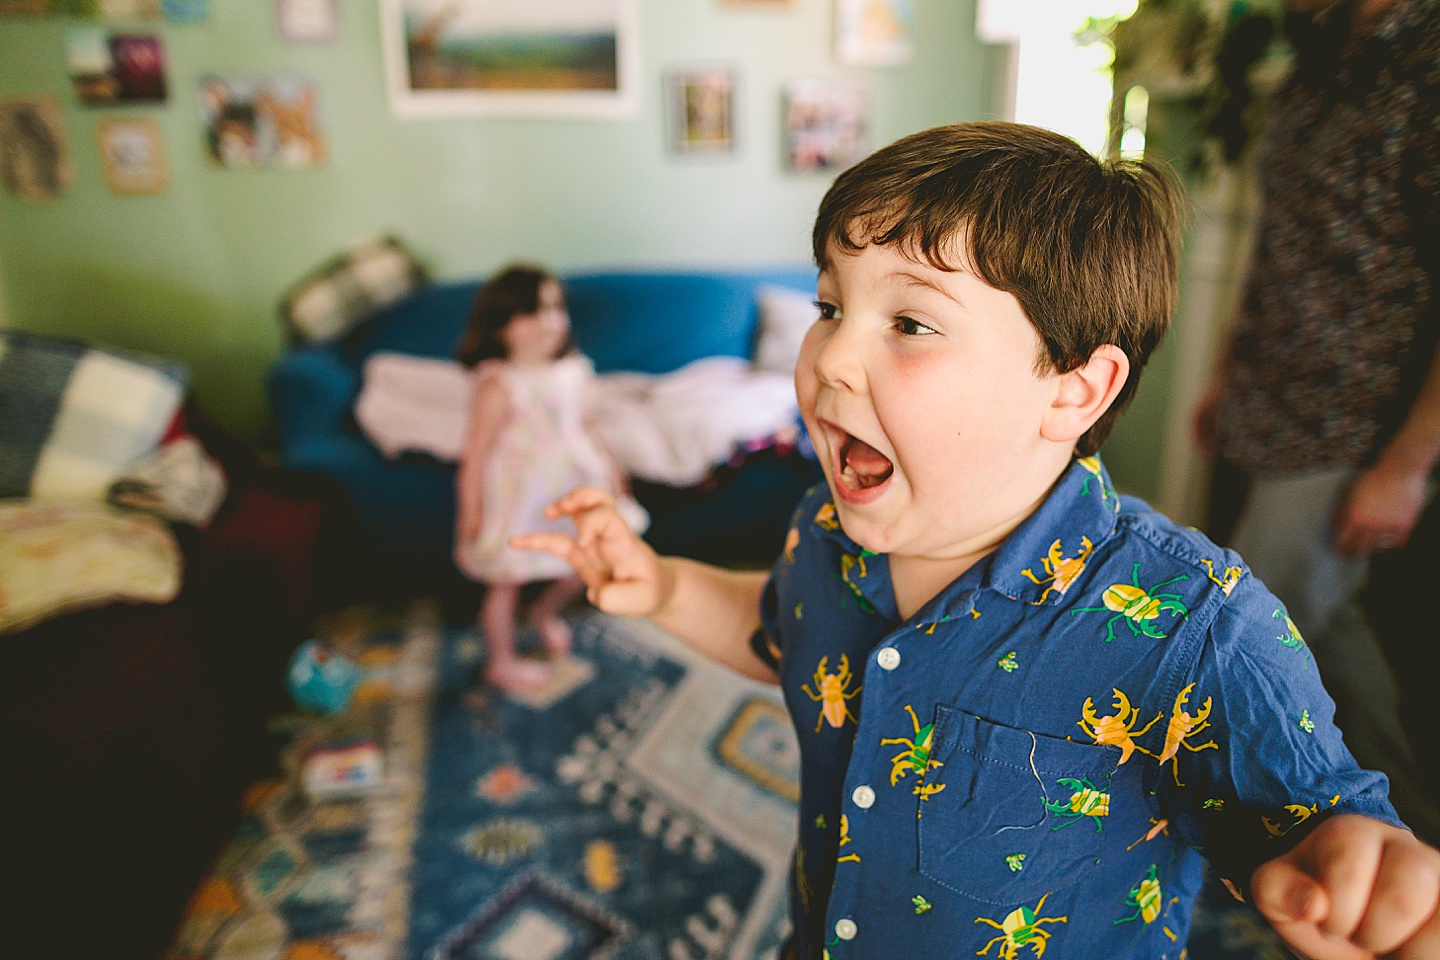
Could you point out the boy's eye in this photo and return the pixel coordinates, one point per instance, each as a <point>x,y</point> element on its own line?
<point>828,311</point>
<point>912,328</point>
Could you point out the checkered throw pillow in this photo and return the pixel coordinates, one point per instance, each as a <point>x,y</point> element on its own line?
<point>74,417</point>
<point>349,289</point>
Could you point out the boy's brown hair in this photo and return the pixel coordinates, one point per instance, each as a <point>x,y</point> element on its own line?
<point>1088,248</point>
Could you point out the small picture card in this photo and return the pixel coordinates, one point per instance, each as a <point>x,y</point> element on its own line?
<point>34,152</point>
<point>700,109</point>
<point>266,121</point>
<point>26,8</point>
<point>824,124</point>
<point>132,152</point>
<point>185,11</point>
<point>128,9</point>
<point>108,67</point>
<point>874,33</point>
<point>308,21</point>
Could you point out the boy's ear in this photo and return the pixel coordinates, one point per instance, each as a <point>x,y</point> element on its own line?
<point>1085,393</point>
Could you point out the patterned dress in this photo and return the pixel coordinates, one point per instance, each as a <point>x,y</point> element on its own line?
<point>543,451</point>
<point>1341,316</point>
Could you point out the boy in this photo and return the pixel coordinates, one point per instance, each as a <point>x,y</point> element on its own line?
<point>1023,705</point>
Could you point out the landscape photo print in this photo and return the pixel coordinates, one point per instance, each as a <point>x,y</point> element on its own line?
<point>468,57</point>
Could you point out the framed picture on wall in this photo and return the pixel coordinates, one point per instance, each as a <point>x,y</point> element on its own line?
<point>874,33</point>
<point>825,123</point>
<point>262,121</point>
<point>34,152</point>
<point>700,110</point>
<point>308,21</point>
<point>132,152</point>
<point>511,57</point>
<point>107,67</point>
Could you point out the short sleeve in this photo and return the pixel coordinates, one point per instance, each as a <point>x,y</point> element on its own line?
<point>765,641</point>
<point>768,642</point>
<point>1261,761</point>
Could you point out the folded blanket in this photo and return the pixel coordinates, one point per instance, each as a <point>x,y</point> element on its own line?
<point>672,428</point>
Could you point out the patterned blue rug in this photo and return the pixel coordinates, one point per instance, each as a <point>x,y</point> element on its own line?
<point>640,808</point>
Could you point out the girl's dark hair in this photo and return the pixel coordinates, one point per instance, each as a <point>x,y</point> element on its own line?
<point>514,290</point>
<point>1088,248</point>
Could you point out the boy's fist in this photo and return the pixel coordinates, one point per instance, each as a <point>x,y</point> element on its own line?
<point>622,574</point>
<point>1354,889</point>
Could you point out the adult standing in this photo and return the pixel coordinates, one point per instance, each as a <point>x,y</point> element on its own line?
<point>1327,396</point>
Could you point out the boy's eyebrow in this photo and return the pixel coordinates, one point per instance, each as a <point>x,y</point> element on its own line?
<point>915,280</point>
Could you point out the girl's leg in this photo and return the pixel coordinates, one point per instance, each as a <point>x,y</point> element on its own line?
<point>497,620</point>
<point>545,613</point>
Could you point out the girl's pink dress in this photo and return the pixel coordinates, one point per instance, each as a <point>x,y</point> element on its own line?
<point>543,452</point>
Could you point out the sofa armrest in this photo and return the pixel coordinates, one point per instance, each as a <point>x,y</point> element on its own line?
<point>312,391</point>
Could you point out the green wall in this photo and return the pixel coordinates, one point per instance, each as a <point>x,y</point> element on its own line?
<point>196,273</point>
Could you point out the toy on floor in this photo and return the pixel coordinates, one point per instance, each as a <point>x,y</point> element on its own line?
<point>321,679</point>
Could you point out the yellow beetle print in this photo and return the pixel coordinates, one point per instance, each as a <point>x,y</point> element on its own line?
<point>1118,730</point>
<point>1086,800</point>
<point>1061,570</point>
<point>831,691</point>
<point>1137,606</point>
<point>1020,928</point>
<point>1146,897</point>
<point>916,759</point>
<point>1183,725</point>
<point>825,517</point>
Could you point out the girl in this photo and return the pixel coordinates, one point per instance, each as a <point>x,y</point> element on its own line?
<point>528,443</point>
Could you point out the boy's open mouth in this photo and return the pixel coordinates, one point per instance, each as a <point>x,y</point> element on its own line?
<point>862,466</point>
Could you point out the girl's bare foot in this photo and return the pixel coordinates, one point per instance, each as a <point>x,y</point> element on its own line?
<point>515,675</point>
<point>554,633</point>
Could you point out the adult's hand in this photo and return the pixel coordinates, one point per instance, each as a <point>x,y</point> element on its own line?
<point>1380,509</point>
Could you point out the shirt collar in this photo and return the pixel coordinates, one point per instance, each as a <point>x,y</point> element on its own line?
<point>1035,563</point>
<point>1040,558</point>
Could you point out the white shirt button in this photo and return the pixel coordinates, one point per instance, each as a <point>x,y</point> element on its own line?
<point>863,797</point>
<point>845,929</point>
<point>888,658</point>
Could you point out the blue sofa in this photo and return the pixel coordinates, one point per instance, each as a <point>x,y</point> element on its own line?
<point>649,322</point>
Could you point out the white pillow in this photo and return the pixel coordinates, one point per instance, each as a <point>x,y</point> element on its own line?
<point>785,315</point>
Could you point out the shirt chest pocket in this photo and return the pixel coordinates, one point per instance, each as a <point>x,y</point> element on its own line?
<point>1009,815</point>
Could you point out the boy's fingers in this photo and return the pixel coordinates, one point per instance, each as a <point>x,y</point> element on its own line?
<point>1284,893</point>
<point>1407,889</point>
<point>1425,944</point>
<point>1345,858</point>
<point>579,500</point>
<point>566,547</point>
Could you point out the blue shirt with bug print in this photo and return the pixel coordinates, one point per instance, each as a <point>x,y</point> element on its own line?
<point>1036,761</point>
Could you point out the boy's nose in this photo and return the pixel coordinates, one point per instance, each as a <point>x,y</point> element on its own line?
<point>839,362</point>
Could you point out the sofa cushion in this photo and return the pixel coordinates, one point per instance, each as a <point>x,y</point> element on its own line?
<point>349,289</point>
<point>73,417</point>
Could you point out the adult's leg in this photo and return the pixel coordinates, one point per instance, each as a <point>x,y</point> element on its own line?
<point>1285,535</point>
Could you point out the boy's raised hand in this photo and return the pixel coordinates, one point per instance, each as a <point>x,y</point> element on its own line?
<point>1354,889</point>
<point>622,574</point>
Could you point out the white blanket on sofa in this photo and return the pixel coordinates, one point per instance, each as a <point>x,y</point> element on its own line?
<point>672,429</point>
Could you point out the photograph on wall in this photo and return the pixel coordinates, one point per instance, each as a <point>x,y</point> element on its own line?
<point>34,153</point>
<point>107,67</point>
<point>700,110</point>
<point>132,152</point>
<point>511,57</point>
<point>308,21</point>
<point>874,33</point>
<point>824,124</point>
<point>27,8</point>
<point>127,9</point>
<point>262,121</point>
<point>185,11</point>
